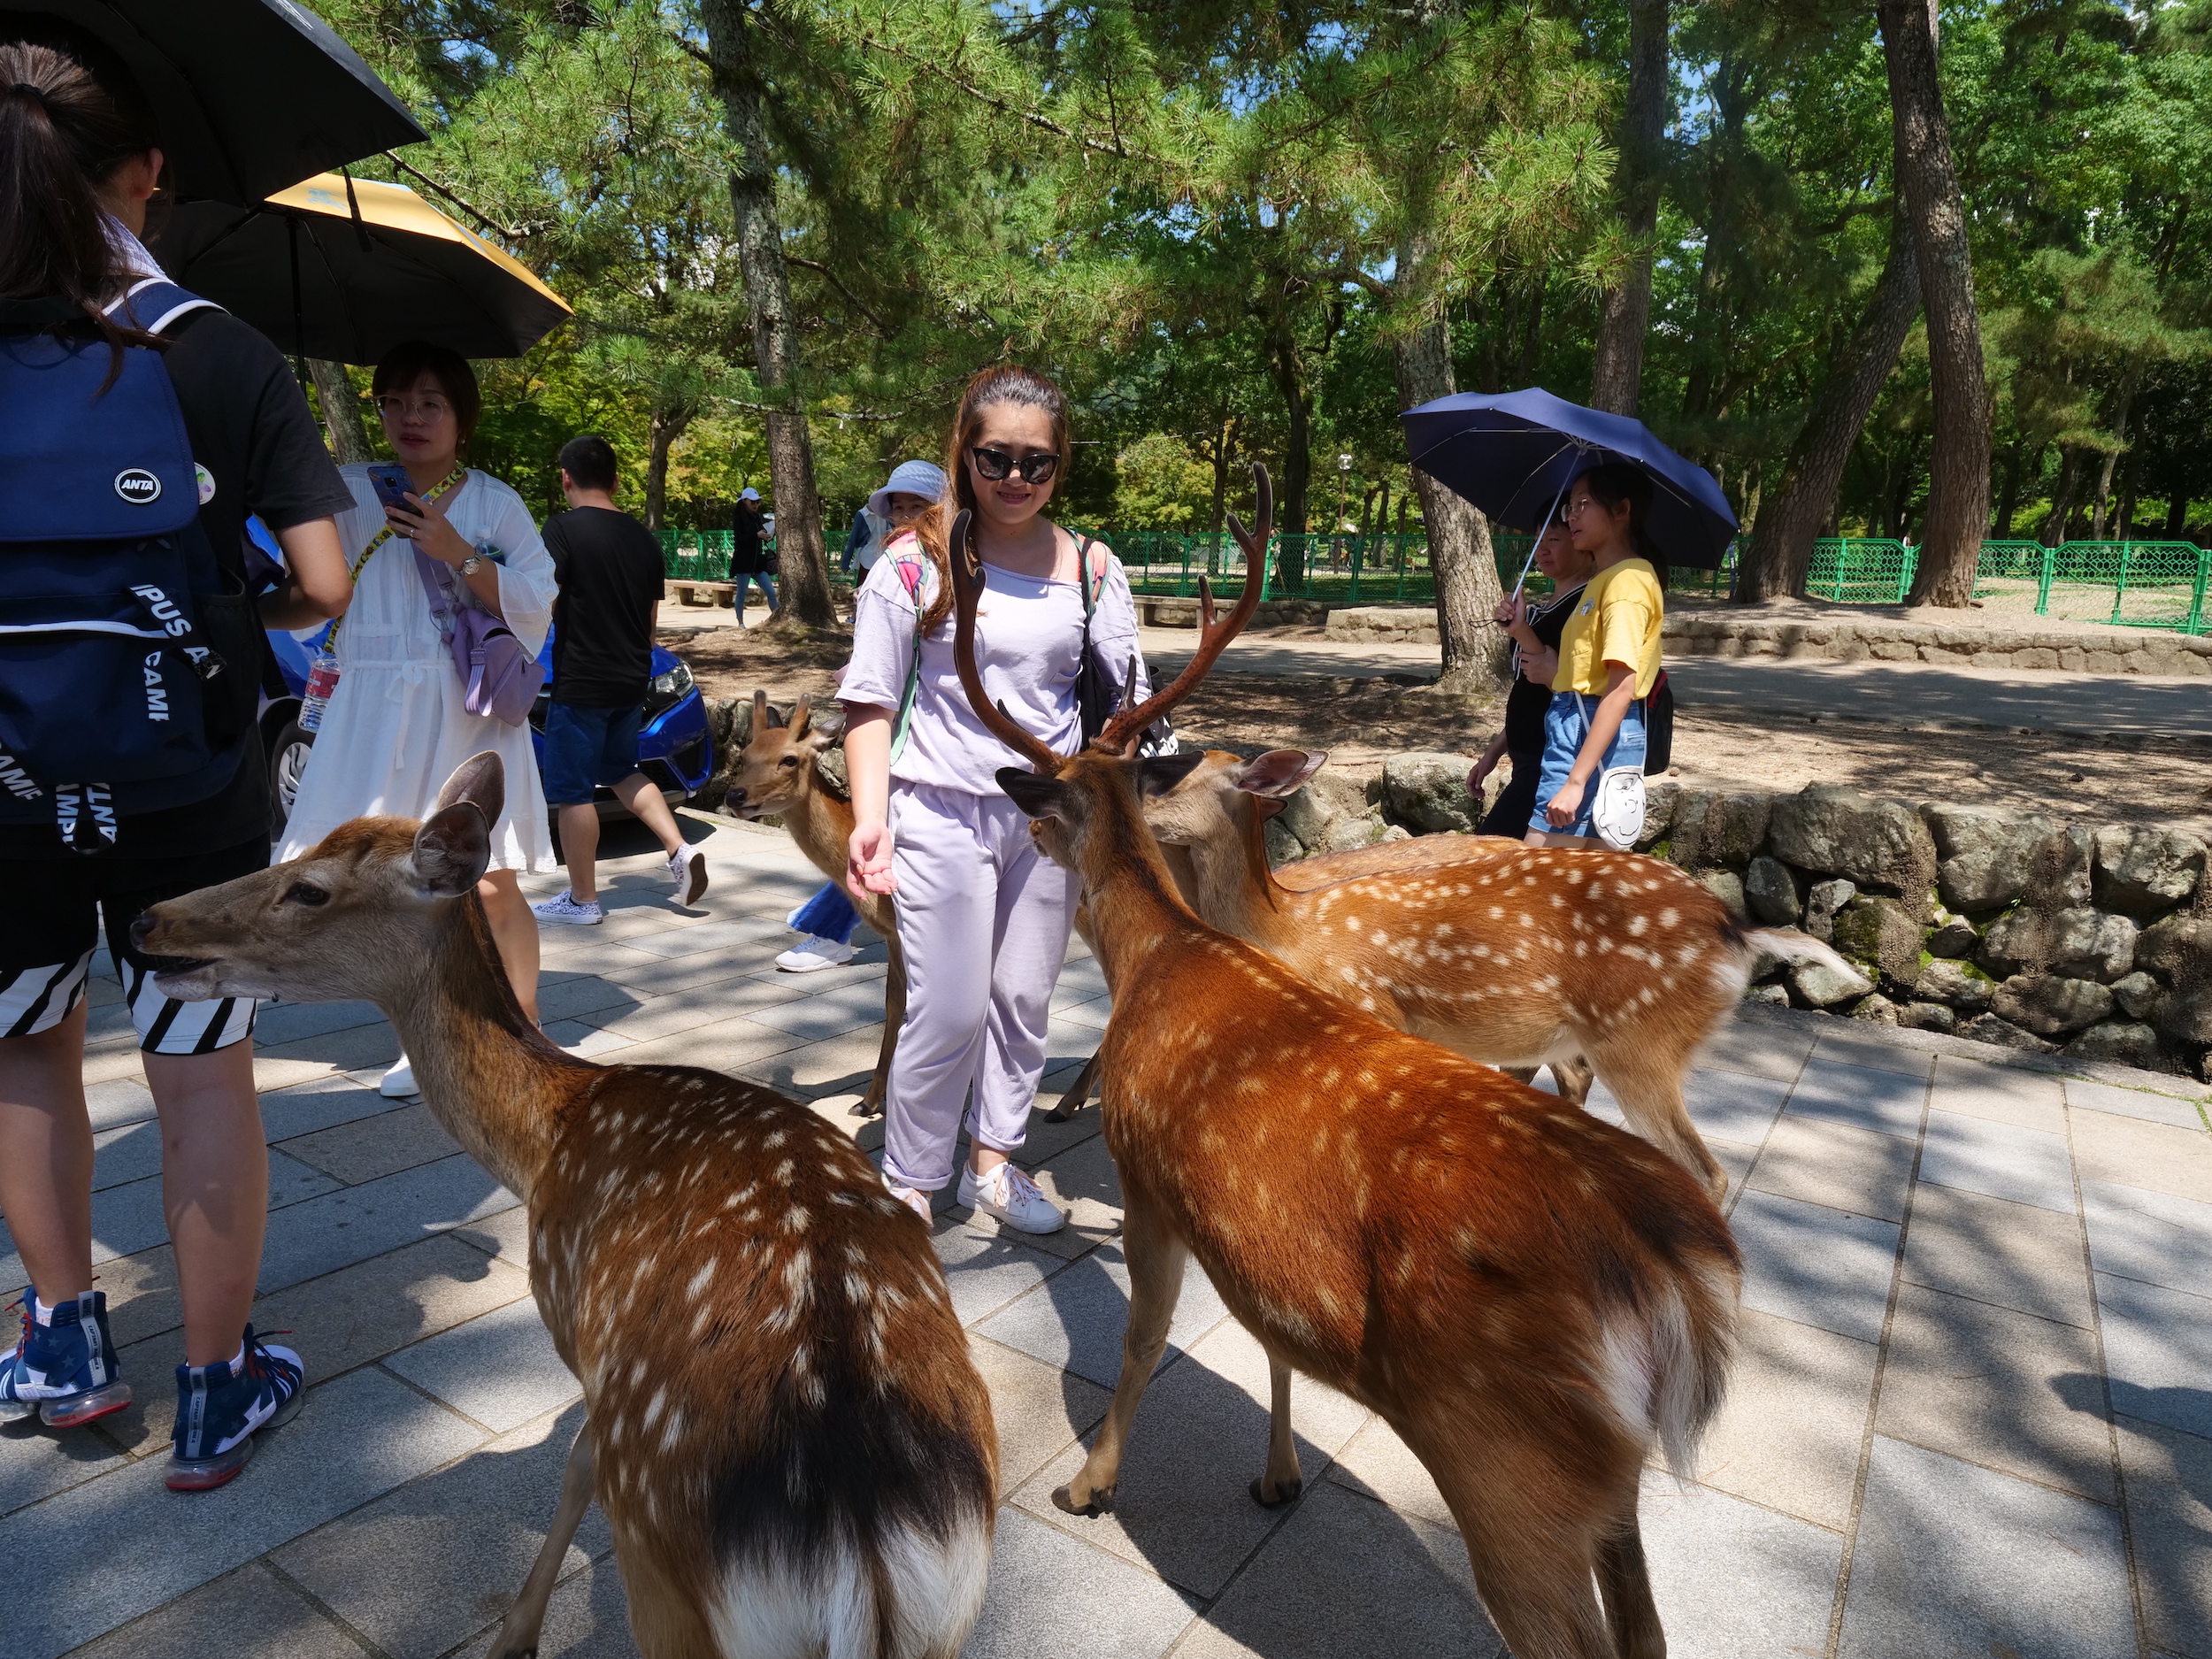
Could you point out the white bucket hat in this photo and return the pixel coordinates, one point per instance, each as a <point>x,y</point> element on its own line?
<point>909,478</point>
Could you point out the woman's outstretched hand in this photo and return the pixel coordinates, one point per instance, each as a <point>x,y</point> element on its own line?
<point>868,859</point>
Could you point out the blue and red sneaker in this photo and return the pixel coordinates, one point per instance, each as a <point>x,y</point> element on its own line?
<point>64,1366</point>
<point>220,1407</point>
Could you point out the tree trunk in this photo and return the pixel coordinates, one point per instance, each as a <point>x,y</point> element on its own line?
<point>2177,513</point>
<point>341,411</point>
<point>663,426</point>
<point>2128,383</point>
<point>1958,472</point>
<point>1225,440</point>
<point>1617,377</point>
<point>802,560</point>
<point>1805,502</point>
<point>2053,531</point>
<point>1289,369</point>
<point>2126,520</point>
<point>1476,650</point>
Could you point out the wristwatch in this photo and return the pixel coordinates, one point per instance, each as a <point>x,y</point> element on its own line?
<point>473,564</point>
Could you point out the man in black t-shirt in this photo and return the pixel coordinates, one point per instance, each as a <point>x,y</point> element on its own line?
<point>610,570</point>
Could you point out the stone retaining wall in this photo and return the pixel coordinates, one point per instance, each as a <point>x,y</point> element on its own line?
<point>1157,612</point>
<point>2143,651</point>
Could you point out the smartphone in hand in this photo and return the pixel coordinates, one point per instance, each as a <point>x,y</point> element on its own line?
<point>392,485</point>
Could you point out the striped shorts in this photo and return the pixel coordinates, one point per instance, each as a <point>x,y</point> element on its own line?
<point>47,942</point>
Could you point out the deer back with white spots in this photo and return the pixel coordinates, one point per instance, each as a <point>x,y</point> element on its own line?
<point>1534,1300</point>
<point>782,1423</point>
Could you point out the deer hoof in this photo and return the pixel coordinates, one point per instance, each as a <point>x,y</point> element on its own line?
<point>1284,1493</point>
<point>1101,1503</point>
<point>1059,1114</point>
<point>867,1109</point>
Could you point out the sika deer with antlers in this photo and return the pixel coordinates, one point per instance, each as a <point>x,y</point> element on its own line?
<point>782,1423</point>
<point>1530,1297</point>
<point>1509,955</point>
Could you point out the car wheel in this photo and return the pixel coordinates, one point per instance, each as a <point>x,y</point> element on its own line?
<point>287,759</point>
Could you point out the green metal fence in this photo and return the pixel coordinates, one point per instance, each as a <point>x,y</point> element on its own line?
<point>696,556</point>
<point>2128,584</point>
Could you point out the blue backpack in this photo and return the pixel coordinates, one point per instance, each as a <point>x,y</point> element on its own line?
<point>128,680</point>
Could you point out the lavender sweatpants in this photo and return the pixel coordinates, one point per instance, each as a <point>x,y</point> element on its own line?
<point>984,919</point>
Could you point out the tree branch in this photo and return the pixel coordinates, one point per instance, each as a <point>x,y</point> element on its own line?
<point>503,232</point>
<point>851,299</point>
<point>1042,122</point>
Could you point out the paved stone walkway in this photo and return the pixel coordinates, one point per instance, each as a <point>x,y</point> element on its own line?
<point>1973,1414</point>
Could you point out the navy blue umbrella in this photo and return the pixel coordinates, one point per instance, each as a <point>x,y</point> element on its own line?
<point>1513,453</point>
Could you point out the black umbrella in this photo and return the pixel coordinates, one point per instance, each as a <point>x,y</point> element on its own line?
<point>345,269</point>
<point>250,95</point>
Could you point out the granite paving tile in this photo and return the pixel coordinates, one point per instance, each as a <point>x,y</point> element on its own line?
<point>2158,1352</point>
<point>1858,1095</point>
<point>1814,1264</point>
<point>1046,1590</point>
<point>1992,1386</point>
<point>142,1292</point>
<point>1067,1040</point>
<point>505,1235</point>
<point>841,1065</point>
<point>1095,1013</point>
<point>704,936</point>
<point>2000,1160</point>
<point>1731,1106</point>
<point>733,1046</point>
<point>1343,1575</point>
<point>830,1012</point>
<point>2129,1152</point>
<point>101,1553</point>
<point>1075,1319</point>
<point>1756,1049</point>
<point>1082,1181</point>
<point>119,1100</point>
<point>1789,1432</point>
<point>1865,1050</point>
<point>369,1147</point>
<point>350,1049</point>
<point>586,1617</point>
<point>985,1273</point>
<point>1182,1504</point>
<point>2013,1256</point>
<point>573,999</point>
<point>1955,1559</point>
<point>323,1104</point>
<point>500,1368</point>
<point>281,1022</point>
<point>424,1568</point>
<point>687,1011</point>
<point>36,1462</point>
<point>2169,1479</point>
<point>2131,1102</point>
<point>2006,1095</point>
<point>1081,980</point>
<point>1379,1465</point>
<point>355,1223</point>
<point>1702,1548</point>
<point>129,1154</point>
<point>1039,1409</point>
<point>248,1614</point>
<point>2152,1236</point>
<point>589,1043</point>
<point>1860,1172</point>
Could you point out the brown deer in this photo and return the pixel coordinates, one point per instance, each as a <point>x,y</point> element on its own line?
<point>1500,952</point>
<point>775,776</point>
<point>1530,1297</point>
<point>782,1423</point>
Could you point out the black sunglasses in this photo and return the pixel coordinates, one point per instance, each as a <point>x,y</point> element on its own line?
<point>1036,467</point>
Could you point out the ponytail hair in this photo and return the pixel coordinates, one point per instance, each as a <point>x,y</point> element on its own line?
<point>1003,383</point>
<point>1615,483</point>
<point>71,114</point>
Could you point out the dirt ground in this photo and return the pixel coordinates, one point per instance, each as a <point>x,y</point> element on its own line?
<point>2114,780</point>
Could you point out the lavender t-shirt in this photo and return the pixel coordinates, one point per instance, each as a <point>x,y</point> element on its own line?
<point>1029,639</point>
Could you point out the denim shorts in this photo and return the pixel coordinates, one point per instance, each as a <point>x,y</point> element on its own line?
<point>1566,723</point>
<point>585,747</point>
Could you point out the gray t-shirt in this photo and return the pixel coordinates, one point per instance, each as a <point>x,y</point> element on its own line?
<point>1029,638</point>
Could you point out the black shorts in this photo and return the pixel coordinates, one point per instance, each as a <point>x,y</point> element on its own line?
<point>1517,803</point>
<point>55,908</point>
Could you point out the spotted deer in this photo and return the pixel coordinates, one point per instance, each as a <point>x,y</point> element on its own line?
<point>782,1423</point>
<point>1533,1299</point>
<point>775,776</point>
<point>1514,955</point>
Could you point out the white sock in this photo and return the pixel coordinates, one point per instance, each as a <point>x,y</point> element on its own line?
<point>43,1312</point>
<point>238,1360</point>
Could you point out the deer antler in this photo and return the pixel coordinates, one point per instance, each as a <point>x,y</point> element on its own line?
<point>1123,730</point>
<point>967,588</point>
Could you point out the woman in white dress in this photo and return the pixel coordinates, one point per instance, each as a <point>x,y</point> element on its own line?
<point>397,725</point>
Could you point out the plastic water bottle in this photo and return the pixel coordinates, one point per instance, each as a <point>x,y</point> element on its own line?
<point>322,680</point>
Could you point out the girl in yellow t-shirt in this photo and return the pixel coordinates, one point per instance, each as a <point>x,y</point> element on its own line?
<point>1591,785</point>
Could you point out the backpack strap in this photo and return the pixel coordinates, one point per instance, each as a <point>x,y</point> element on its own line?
<point>909,570</point>
<point>152,303</point>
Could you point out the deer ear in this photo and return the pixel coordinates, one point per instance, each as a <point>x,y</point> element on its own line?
<point>802,712</point>
<point>482,781</point>
<point>453,849</point>
<point>1161,772</point>
<point>1279,773</point>
<point>1040,797</point>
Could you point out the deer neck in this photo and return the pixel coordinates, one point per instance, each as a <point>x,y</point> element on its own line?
<point>491,1077</point>
<point>820,823</point>
<point>1236,891</point>
<point>1135,909</point>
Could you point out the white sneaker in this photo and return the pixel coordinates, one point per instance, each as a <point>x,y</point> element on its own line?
<point>913,1198</point>
<point>399,1082</point>
<point>688,869</point>
<point>813,952</point>
<point>565,909</point>
<point>1013,1198</point>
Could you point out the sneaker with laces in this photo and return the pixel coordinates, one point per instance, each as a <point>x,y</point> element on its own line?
<point>1013,1198</point>
<point>913,1198</point>
<point>64,1366</point>
<point>221,1407</point>
<point>814,952</point>
<point>565,908</point>
<point>688,869</point>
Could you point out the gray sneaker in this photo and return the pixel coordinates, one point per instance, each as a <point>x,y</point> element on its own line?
<point>688,869</point>
<point>1013,1198</point>
<point>565,910</point>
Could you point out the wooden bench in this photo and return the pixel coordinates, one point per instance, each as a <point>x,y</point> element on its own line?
<point>717,593</point>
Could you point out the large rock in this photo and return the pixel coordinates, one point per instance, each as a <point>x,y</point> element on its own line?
<point>1773,995</point>
<point>1770,891</point>
<point>1660,796</point>
<point>1877,1009</point>
<point>1428,792</point>
<point>1823,900</point>
<point>2119,1041</point>
<point>2187,1014</point>
<point>1838,830</point>
<point>2080,943</point>
<point>2144,871</point>
<point>1721,830</point>
<point>1881,930</point>
<point>1957,983</point>
<point>1822,986</point>
<point>2050,1005</point>
<point>1955,938</point>
<point>1984,855</point>
<point>1726,885</point>
<point>2179,947</point>
<point>1927,1016</point>
<point>2138,995</point>
<point>1332,813</point>
<point>2058,870</point>
<point>2005,1035</point>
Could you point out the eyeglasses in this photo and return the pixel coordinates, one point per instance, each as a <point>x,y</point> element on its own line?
<point>996,465</point>
<point>428,410</point>
<point>1578,506</point>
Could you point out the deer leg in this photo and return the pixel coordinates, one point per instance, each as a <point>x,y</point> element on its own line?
<point>1156,1258</point>
<point>1649,1089</point>
<point>517,1637</point>
<point>1572,1079</point>
<point>1625,1584</point>
<point>871,1104</point>
<point>1281,1480</point>
<point>1078,1091</point>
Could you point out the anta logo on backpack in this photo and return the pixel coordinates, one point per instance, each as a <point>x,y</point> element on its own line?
<point>127,654</point>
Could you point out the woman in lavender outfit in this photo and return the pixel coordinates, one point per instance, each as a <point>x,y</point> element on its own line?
<point>983,916</point>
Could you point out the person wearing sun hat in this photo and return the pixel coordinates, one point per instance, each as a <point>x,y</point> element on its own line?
<point>748,559</point>
<point>912,487</point>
